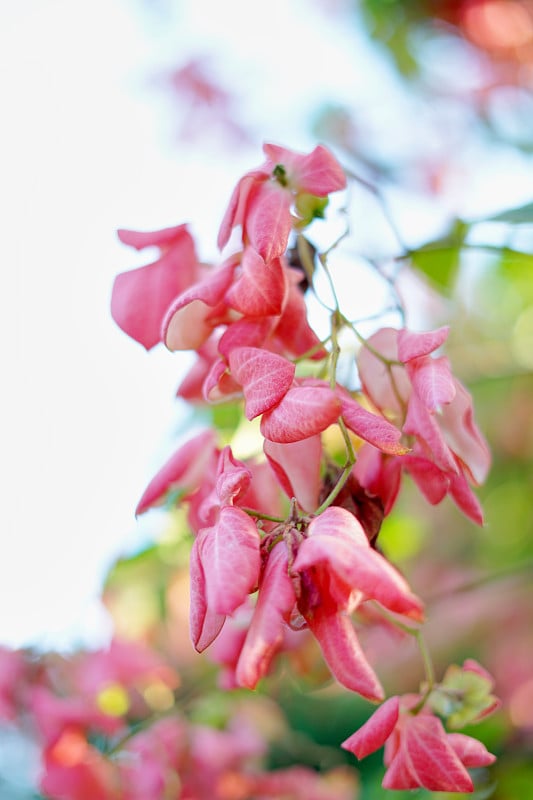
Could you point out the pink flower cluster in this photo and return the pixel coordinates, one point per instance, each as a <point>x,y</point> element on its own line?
<point>291,526</point>
<point>434,411</point>
<point>418,751</point>
<point>92,719</point>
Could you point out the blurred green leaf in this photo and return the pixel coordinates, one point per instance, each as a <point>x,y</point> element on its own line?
<point>521,215</point>
<point>440,265</point>
<point>517,268</point>
<point>439,261</point>
<point>515,781</point>
<point>226,416</point>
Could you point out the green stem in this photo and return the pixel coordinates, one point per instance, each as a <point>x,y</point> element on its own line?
<point>389,362</point>
<point>426,658</point>
<point>336,490</point>
<point>424,652</point>
<point>258,515</point>
<point>312,351</point>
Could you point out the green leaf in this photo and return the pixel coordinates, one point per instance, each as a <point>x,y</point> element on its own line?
<point>224,417</point>
<point>439,261</point>
<point>439,264</point>
<point>522,215</point>
<point>517,268</point>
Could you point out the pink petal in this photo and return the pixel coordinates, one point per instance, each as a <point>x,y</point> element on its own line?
<point>342,652</point>
<point>319,173</point>
<point>268,222</point>
<point>265,634</point>
<point>205,625</point>
<point>303,412</point>
<point>263,494</point>
<point>233,477</point>
<point>471,752</point>
<point>185,323</point>
<point>293,329</point>
<point>218,384</point>
<point>185,469</point>
<point>264,376</point>
<point>373,734</point>
<point>337,539</point>
<point>230,560</point>
<point>414,345</point>
<point>188,328</point>
<point>297,468</point>
<point>163,238</point>
<point>376,375</point>
<point>432,481</point>
<point>341,524</point>
<point>400,774</point>
<point>379,475</point>
<point>235,212</point>
<point>433,382</point>
<point>260,289</point>
<point>465,499</point>
<point>463,435</point>
<point>245,333</point>
<point>434,762</point>
<point>420,423</point>
<point>141,297</point>
<point>372,428</point>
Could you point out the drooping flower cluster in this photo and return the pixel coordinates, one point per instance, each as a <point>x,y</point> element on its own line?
<point>418,751</point>
<point>291,528</point>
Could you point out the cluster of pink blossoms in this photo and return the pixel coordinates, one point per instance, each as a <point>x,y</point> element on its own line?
<point>88,714</point>
<point>293,526</point>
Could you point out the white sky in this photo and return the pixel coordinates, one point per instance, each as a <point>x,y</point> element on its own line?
<point>85,147</point>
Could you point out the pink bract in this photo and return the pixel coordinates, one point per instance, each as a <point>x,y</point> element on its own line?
<point>141,297</point>
<point>418,751</point>
<point>262,199</point>
<point>265,378</point>
<point>265,633</point>
<point>184,470</point>
<point>432,407</point>
<point>304,411</point>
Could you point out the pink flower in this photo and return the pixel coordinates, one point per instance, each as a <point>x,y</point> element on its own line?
<point>225,558</point>
<point>337,571</point>
<point>125,663</point>
<point>55,715</point>
<point>275,602</point>
<point>150,764</point>
<point>74,770</point>
<point>141,297</point>
<point>184,471</point>
<point>261,201</point>
<point>418,751</point>
<point>433,408</point>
